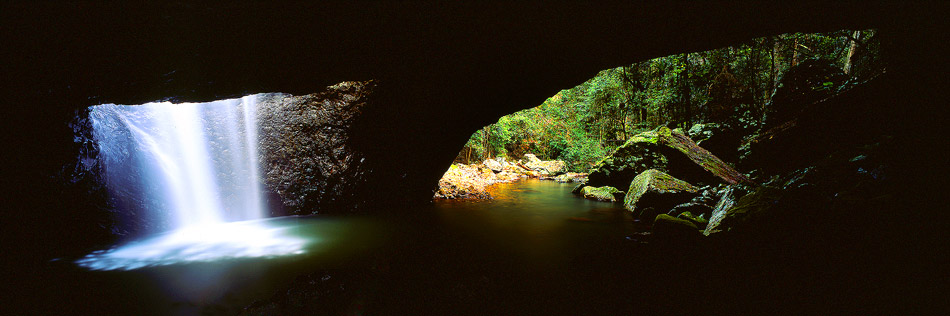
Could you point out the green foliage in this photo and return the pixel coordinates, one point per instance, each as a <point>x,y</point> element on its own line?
<point>731,85</point>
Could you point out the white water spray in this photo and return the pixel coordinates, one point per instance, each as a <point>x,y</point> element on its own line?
<point>199,172</point>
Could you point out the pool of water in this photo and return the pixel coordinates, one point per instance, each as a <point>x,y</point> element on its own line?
<point>532,245</point>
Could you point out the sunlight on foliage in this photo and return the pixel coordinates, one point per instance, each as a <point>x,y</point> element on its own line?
<point>730,85</point>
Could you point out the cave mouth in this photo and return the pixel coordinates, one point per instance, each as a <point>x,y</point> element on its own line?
<point>469,249</point>
<point>680,138</point>
<point>720,99</point>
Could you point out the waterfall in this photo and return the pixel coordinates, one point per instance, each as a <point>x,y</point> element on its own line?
<point>193,168</point>
<point>199,158</point>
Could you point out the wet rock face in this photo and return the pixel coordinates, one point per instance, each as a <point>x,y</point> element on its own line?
<point>307,156</point>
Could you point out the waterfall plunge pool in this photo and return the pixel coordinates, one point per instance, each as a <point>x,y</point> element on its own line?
<point>533,243</point>
<point>190,169</point>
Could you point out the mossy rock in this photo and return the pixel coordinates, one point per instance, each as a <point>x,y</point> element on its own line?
<point>577,189</point>
<point>665,150</point>
<point>692,208</point>
<point>604,193</point>
<point>657,189</point>
<point>668,228</point>
<point>696,220</point>
<point>640,153</point>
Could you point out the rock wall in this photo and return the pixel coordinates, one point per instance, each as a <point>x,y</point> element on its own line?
<point>307,156</point>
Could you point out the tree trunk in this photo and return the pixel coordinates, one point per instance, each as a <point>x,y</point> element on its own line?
<point>701,156</point>
<point>854,46</point>
<point>753,63</point>
<point>794,53</point>
<point>685,91</point>
<point>774,70</point>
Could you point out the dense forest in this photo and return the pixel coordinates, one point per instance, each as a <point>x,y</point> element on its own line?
<point>731,85</point>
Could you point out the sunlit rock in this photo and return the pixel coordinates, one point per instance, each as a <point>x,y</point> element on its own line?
<point>605,193</point>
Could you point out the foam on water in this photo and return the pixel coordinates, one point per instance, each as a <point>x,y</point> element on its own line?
<point>197,167</point>
<point>234,240</point>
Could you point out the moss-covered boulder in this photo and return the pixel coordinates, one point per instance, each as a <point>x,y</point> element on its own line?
<point>666,150</point>
<point>697,220</point>
<point>657,191</point>
<point>604,193</point>
<point>640,153</point>
<point>691,207</point>
<point>669,228</point>
<point>577,188</point>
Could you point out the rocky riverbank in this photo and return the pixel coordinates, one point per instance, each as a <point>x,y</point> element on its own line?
<point>471,181</point>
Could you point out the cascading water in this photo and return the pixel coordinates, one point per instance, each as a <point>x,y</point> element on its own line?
<point>196,167</point>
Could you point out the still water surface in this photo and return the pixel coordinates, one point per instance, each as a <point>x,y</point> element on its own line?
<point>519,247</point>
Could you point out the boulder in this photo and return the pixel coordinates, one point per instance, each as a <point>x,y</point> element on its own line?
<point>494,165</point>
<point>638,154</point>
<point>668,228</point>
<point>847,191</point>
<point>752,207</point>
<point>544,167</point>
<point>666,150</point>
<point>531,158</point>
<point>726,201</point>
<point>571,177</point>
<point>463,181</point>
<point>656,190</point>
<point>577,189</point>
<point>697,220</point>
<point>693,208</point>
<point>605,193</point>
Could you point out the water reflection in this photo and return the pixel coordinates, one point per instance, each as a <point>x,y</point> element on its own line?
<point>248,239</point>
<point>541,221</point>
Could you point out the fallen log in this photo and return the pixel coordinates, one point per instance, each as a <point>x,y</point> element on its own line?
<point>700,156</point>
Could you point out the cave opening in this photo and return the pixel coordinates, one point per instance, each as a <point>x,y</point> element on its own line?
<point>834,219</point>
